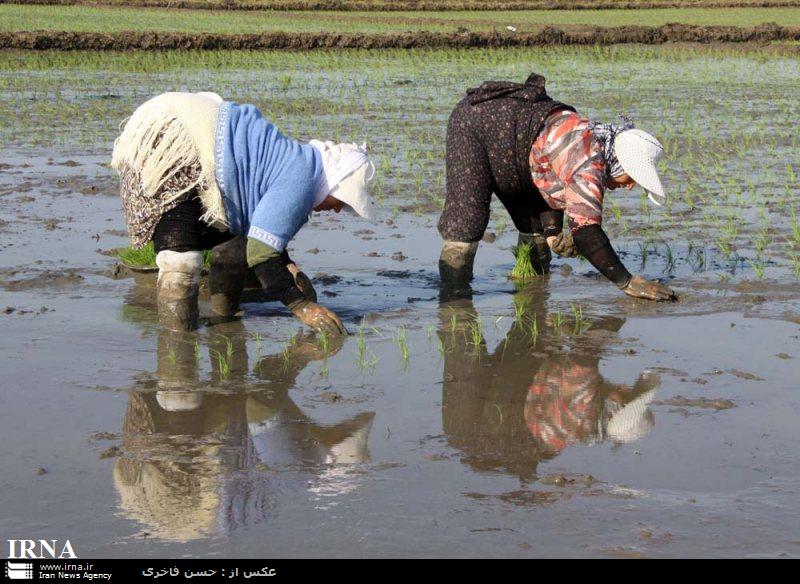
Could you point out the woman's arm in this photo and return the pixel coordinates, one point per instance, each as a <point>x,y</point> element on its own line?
<point>272,269</point>
<point>580,166</point>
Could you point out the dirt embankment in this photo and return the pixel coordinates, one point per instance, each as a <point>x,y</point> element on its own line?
<point>547,36</point>
<point>416,5</point>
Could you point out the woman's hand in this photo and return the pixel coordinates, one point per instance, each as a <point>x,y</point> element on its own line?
<point>302,282</point>
<point>318,317</point>
<point>563,245</point>
<point>638,287</point>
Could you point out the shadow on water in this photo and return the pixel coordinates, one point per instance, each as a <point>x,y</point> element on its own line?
<point>539,391</point>
<point>204,456</point>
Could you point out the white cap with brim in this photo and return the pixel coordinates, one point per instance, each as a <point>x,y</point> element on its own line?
<point>353,191</point>
<point>638,153</point>
<point>633,420</point>
<point>346,173</point>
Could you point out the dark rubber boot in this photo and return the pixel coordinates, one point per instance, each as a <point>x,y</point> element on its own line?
<point>227,274</point>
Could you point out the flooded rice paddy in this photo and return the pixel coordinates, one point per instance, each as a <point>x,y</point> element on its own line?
<point>559,418</point>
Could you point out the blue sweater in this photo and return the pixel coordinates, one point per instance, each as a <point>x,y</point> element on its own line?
<point>268,181</point>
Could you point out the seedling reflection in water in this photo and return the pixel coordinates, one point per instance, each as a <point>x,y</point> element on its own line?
<point>402,344</point>
<point>580,323</point>
<point>224,364</point>
<point>534,330</point>
<point>366,360</point>
<point>475,332</point>
<point>197,355</point>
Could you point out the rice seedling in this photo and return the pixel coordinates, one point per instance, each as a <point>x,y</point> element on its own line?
<point>758,267</point>
<point>366,359</point>
<point>794,258</point>
<point>670,260</point>
<point>795,233</point>
<point>724,246</point>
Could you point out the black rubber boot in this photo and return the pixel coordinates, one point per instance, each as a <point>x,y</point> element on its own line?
<point>227,274</point>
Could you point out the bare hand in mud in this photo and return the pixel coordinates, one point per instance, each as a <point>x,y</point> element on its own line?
<point>303,282</point>
<point>640,288</point>
<point>320,318</point>
<point>563,245</point>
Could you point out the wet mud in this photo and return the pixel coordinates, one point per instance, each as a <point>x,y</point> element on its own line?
<point>545,36</point>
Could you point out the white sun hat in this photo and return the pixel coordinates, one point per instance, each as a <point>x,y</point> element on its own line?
<point>638,153</point>
<point>346,173</point>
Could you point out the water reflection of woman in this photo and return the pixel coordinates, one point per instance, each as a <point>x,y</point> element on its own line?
<point>202,458</point>
<point>536,393</point>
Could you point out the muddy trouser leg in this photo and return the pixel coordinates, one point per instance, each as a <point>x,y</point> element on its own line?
<point>178,288</point>
<point>227,275</point>
<point>470,185</point>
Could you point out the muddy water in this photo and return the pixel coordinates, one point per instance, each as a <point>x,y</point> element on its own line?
<point>558,419</point>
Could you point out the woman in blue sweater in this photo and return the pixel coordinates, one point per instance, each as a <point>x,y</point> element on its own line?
<point>197,172</point>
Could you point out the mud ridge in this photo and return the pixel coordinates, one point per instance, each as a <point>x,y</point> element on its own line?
<point>547,36</point>
<point>413,5</point>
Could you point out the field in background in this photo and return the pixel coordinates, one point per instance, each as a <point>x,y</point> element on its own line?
<point>110,20</point>
<point>402,5</point>
<point>731,163</point>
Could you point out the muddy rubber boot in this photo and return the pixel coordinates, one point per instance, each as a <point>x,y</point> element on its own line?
<point>540,252</point>
<point>227,274</point>
<point>456,262</point>
<point>455,270</point>
<point>177,288</point>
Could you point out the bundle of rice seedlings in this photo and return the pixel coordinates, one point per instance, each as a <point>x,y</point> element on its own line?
<point>145,257</point>
<point>523,268</point>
